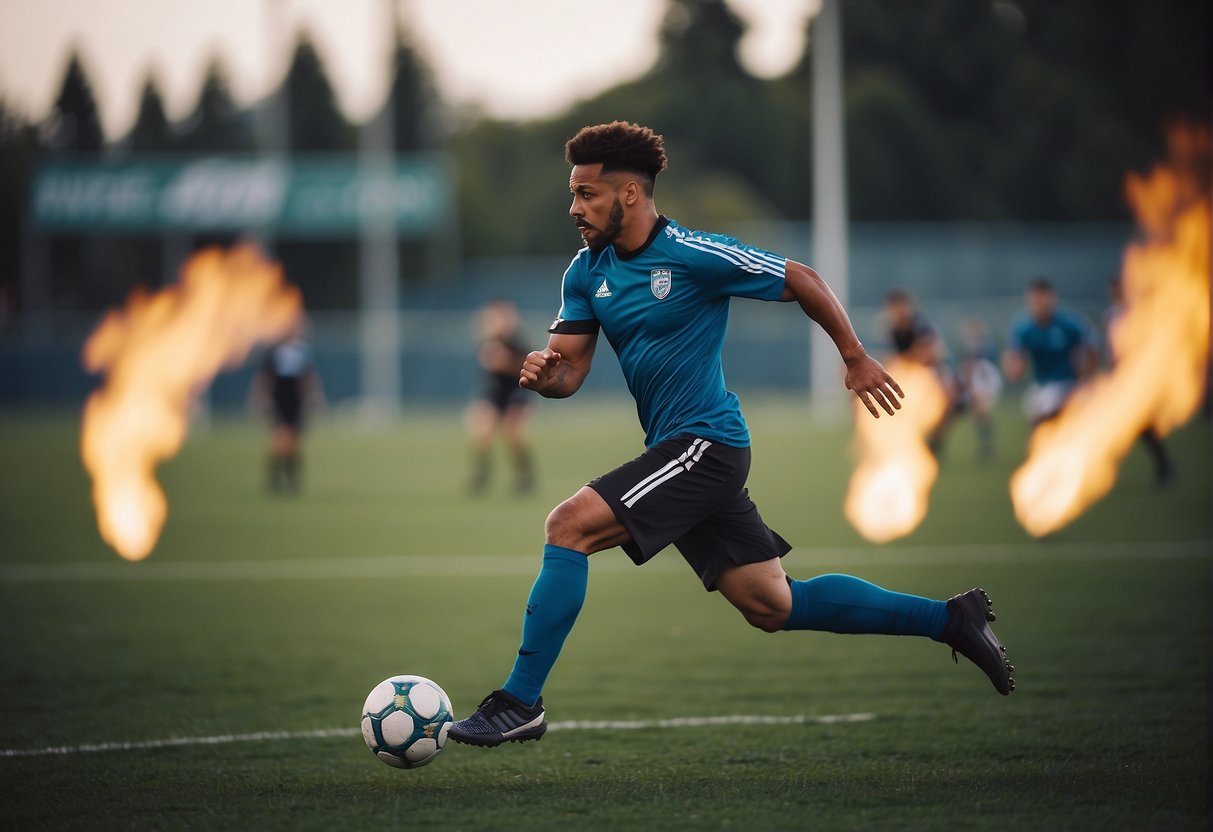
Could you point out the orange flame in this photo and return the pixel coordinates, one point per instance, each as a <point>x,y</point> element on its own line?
<point>1161,342</point>
<point>158,354</point>
<point>888,494</point>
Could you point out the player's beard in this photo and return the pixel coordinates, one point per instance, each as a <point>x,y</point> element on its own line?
<point>601,239</point>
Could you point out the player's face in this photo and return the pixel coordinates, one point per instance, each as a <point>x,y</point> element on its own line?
<point>899,312</point>
<point>596,209</point>
<point>1041,303</point>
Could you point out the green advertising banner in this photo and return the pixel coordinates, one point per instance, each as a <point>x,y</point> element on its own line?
<point>286,196</point>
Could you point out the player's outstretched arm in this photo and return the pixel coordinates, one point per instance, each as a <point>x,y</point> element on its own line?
<point>1013,364</point>
<point>865,375</point>
<point>558,370</point>
<point>1086,360</point>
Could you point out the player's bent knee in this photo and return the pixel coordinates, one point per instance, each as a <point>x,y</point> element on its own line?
<point>584,523</point>
<point>560,528</point>
<point>567,526</point>
<point>767,619</point>
<point>764,614</point>
<point>760,593</point>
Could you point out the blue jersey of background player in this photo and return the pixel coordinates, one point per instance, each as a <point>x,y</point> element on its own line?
<point>1060,346</point>
<point>660,293</point>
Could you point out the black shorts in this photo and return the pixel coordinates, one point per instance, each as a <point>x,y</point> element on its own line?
<point>690,492</point>
<point>288,410</point>
<point>503,392</point>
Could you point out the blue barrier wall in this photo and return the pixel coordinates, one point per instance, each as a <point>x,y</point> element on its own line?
<point>953,270</point>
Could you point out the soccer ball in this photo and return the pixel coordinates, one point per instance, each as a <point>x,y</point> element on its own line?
<point>405,721</point>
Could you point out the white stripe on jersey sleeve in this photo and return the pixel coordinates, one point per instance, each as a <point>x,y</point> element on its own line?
<point>737,257</point>
<point>763,255</point>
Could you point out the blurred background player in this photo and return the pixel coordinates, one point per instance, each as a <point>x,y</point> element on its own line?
<point>911,334</point>
<point>978,382</point>
<point>1059,343</point>
<point>503,405</point>
<point>286,384</point>
<point>1164,468</point>
<point>914,337</point>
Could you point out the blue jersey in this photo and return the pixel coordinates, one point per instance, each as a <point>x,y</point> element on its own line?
<point>665,310</point>
<point>1051,347</point>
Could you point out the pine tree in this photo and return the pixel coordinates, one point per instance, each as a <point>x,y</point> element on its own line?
<point>74,123</point>
<point>316,123</point>
<point>216,125</point>
<point>413,100</point>
<point>151,131</point>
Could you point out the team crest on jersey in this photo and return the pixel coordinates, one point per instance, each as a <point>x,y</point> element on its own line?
<point>661,281</point>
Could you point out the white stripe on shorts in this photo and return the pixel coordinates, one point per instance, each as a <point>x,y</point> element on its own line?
<point>671,469</point>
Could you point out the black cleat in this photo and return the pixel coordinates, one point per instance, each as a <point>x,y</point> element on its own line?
<point>968,633</point>
<point>501,717</point>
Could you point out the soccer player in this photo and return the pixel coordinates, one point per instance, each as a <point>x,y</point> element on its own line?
<point>661,295</point>
<point>979,382</point>
<point>911,334</point>
<point>914,338</point>
<point>285,384</point>
<point>503,405</point>
<point>1060,345</point>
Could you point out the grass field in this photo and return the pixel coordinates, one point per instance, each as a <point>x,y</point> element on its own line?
<point>258,614</point>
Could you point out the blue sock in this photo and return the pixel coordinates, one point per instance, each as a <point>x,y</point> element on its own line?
<point>551,610</point>
<point>843,604</point>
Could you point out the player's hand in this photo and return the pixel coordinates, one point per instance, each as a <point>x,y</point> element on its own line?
<point>538,368</point>
<point>873,385</point>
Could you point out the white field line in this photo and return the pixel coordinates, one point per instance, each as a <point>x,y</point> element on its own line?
<point>495,566</point>
<point>329,733</point>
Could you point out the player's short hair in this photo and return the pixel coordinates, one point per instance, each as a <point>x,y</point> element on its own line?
<point>896,296</point>
<point>1040,284</point>
<point>619,146</point>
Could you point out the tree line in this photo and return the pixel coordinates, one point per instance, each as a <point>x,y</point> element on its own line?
<point>955,110</point>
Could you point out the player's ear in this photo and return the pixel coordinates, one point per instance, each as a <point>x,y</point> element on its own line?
<point>632,192</point>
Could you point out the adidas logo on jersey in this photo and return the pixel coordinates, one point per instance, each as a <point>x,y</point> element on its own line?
<point>603,290</point>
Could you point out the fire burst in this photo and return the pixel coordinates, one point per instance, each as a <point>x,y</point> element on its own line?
<point>157,355</point>
<point>1161,344</point>
<point>890,488</point>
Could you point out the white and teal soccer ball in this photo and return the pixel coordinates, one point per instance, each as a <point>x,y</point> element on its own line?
<point>405,721</point>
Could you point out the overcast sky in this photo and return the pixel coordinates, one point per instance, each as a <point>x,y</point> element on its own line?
<point>517,59</point>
